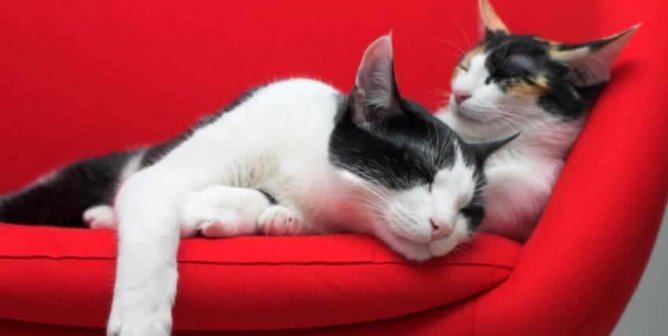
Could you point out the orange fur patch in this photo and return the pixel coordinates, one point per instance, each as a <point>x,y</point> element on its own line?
<point>522,88</point>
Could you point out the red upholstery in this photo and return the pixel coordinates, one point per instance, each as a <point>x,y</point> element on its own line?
<point>83,77</point>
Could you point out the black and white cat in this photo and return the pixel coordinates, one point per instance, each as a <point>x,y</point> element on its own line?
<point>517,83</point>
<point>292,157</point>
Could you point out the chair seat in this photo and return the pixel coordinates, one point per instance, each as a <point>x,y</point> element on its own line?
<point>65,277</point>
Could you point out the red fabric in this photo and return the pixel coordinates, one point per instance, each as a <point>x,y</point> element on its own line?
<point>87,77</point>
<point>244,283</point>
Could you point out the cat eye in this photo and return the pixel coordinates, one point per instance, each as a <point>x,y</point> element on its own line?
<point>465,69</point>
<point>472,211</point>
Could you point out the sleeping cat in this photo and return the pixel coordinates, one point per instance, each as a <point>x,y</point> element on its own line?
<point>292,157</point>
<point>510,83</point>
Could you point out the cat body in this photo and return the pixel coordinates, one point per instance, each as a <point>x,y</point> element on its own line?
<point>298,157</point>
<point>514,83</point>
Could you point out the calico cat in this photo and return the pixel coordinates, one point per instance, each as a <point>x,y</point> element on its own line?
<point>510,83</point>
<point>293,157</point>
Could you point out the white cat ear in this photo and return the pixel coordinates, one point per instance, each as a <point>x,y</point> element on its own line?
<point>375,90</point>
<point>590,62</point>
<point>491,22</point>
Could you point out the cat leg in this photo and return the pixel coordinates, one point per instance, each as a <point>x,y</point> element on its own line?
<point>281,220</point>
<point>223,211</point>
<point>100,216</point>
<point>146,273</point>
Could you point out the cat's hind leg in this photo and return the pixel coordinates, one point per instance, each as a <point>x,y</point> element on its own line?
<point>223,211</point>
<point>100,216</point>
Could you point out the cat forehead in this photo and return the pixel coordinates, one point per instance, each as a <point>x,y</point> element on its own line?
<point>498,46</point>
<point>402,154</point>
<point>515,44</point>
<point>458,177</point>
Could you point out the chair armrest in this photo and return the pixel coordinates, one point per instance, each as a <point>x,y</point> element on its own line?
<point>582,264</point>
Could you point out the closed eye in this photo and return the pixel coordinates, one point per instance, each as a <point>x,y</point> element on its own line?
<point>474,212</point>
<point>462,67</point>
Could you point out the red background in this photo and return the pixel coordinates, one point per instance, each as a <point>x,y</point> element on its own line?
<point>85,77</point>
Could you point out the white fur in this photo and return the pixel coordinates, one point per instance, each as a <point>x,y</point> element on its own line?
<point>279,220</point>
<point>521,175</point>
<point>222,211</point>
<point>132,166</point>
<point>276,140</point>
<point>407,214</point>
<point>100,217</point>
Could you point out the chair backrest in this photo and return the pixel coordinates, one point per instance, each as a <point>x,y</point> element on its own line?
<point>82,78</point>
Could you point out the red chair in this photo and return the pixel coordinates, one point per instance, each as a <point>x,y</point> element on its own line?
<point>83,78</point>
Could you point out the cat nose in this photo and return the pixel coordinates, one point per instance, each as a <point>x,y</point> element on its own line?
<point>461,96</point>
<point>439,229</point>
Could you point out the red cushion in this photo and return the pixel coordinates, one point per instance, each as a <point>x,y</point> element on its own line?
<point>65,276</point>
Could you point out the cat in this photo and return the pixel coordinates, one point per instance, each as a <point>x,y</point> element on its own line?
<point>510,83</point>
<point>292,157</point>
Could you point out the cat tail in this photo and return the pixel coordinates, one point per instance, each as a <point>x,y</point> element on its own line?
<point>61,198</point>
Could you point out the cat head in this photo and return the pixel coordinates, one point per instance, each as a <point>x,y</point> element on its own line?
<point>512,82</point>
<point>418,180</point>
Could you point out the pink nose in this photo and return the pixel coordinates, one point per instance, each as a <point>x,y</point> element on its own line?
<point>460,97</point>
<point>440,229</point>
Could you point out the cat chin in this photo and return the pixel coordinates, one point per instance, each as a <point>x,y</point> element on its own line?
<point>415,251</point>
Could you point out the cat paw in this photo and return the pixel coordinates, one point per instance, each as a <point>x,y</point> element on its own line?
<point>140,320</point>
<point>279,220</point>
<point>100,217</point>
<point>209,220</point>
<point>222,211</point>
<point>141,326</point>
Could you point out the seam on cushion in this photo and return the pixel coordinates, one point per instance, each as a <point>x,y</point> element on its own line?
<point>269,263</point>
<point>44,324</point>
<point>341,263</point>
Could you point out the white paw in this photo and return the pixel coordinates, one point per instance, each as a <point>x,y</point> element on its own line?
<point>140,325</point>
<point>279,220</point>
<point>100,217</point>
<point>222,211</point>
<point>145,310</point>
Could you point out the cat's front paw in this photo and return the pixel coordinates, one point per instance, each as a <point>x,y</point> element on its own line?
<point>221,211</point>
<point>279,220</point>
<point>133,322</point>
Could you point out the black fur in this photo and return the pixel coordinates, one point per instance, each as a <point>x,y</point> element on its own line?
<point>272,200</point>
<point>401,151</point>
<point>563,98</point>
<point>62,199</point>
<point>406,149</point>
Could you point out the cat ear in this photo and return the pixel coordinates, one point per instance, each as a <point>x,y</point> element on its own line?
<point>590,62</point>
<point>483,150</point>
<point>375,95</point>
<point>491,22</point>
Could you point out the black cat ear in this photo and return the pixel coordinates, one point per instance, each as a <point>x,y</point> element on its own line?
<point>491,22</point>
<point>483,150</point>
<point>590,62</point>
<point>375,95</point>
